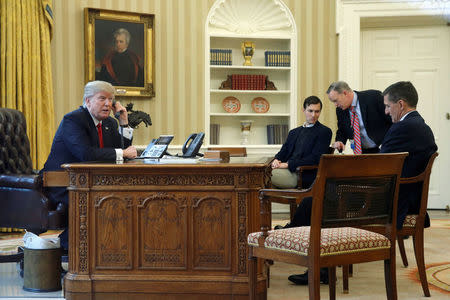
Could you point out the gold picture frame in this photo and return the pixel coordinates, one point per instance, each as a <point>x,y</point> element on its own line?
<point>119,48</point>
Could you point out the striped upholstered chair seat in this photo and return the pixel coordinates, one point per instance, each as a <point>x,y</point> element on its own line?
<point>332,240</point>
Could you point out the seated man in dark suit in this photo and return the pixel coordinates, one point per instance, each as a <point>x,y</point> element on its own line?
<point>411,134</point>
<point>304,146</point>
<point>89,134</point>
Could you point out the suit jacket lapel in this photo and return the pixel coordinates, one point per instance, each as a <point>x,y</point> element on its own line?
<point>92,128</point>
<point>107,130</point>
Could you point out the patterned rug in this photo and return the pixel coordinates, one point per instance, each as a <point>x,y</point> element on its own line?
<point>438,276</point>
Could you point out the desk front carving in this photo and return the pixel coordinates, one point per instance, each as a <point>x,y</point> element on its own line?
<point>162,231</point>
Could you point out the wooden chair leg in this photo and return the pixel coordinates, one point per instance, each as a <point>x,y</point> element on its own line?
<point>390,278</point>
<point>332,282</point>
<point>292,209</point>
<point>252,269</point>
<point>401,248</point>
<point>345,271</point>
<point>350,270</point>
<point>314,283</point>
<point>268,263</point>
<point>420,260</point>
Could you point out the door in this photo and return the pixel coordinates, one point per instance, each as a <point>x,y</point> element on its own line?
<point>420,55</point>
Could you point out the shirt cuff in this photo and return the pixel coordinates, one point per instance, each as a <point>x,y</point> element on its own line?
<point>127,132</point>
<point>119,154</point>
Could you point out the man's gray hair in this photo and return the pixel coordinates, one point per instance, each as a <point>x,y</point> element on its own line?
<point>339,87</point>
<point>124,32</point>
<point>93,87</point>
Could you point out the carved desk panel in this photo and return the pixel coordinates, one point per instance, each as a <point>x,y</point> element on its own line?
<point>162,231</point>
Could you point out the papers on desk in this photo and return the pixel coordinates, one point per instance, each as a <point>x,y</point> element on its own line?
<point>171,160</point>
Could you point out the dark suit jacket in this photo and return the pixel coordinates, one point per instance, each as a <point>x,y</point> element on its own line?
<point>304,146</point>
<point>375,120</point>
<point>76,140</point>
<point>414,136</point>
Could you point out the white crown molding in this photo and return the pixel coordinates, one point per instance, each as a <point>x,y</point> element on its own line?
<point>265,17</point>
<point>348,26</point>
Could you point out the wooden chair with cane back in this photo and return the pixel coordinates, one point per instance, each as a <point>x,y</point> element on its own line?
<point>412,226</point>
<point>349,191</point>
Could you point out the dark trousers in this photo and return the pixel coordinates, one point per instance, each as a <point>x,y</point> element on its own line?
<point>302,216</point>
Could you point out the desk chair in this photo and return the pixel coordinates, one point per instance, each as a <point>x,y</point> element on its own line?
<point>22,200</point>
<point>349,191</point>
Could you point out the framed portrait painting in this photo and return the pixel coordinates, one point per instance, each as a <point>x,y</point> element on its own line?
<point>119,48</point>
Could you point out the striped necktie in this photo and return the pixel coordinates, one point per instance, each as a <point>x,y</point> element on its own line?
<point>100,134</point>
<point>356,134</point>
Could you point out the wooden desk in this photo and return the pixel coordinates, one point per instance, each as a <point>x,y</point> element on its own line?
<point>163,231</point>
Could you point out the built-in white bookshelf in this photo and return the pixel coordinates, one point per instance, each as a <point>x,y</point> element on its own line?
<point>269,25</point>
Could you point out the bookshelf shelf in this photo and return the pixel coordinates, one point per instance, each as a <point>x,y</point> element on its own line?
<point>281,36</point>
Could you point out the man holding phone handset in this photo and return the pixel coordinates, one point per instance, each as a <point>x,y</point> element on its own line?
<point>89,133</point>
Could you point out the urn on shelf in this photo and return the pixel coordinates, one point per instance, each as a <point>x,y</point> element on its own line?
<point>245,131</point>
<point>248,49</point>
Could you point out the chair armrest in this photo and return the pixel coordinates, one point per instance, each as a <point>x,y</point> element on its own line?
<point>32,182</point>
<point>266,196</point>
<point>305,168</point>
<point>296,194</point>
<point>418,178</point>
<point>55,179</point>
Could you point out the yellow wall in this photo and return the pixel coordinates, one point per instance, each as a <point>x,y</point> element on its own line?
<point>178,106</point>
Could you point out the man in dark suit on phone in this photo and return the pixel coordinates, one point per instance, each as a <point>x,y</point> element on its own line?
<point>411,134</point>
<point>89,134</point>
<point>360,116</point>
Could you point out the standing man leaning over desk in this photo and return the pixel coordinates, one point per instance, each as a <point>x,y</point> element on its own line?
<point>371,124</point>
<point>89,134</point>
<point>304,146</point>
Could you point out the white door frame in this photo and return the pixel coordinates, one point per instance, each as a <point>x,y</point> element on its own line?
<point>349,14</point>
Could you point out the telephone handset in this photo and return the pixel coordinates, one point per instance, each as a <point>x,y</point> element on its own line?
<point>193,144</point>
<point>117,113</point>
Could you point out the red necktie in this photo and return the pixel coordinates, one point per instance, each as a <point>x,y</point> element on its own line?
<point>356,134</point>
<point>100,134</point>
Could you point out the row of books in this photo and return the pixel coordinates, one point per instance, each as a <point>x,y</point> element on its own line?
<point>214,131</point>
<point>277,133</point>
<point>277,58</point>
<point>220,57</point>
<point>248,82</point>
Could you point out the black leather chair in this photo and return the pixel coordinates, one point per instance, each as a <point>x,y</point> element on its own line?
<point>23,203</point>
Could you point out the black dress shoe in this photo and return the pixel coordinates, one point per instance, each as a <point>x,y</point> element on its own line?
<point>302,279</point>
<point>288,225</point>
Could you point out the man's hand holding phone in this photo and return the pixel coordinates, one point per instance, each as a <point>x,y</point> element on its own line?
<point>120,113</point>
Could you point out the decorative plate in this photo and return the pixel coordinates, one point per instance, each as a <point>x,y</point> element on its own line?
<point>260,105</point>
<point>231,104</point>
